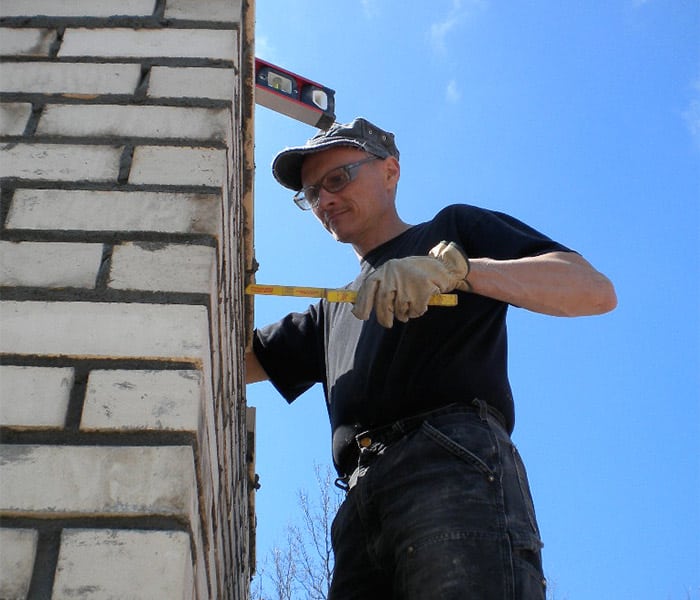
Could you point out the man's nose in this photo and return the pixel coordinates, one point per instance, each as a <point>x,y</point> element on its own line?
<point>325,199</point>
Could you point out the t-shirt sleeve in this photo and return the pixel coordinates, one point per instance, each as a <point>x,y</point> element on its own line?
<point>502,237</point>
<point>292,352</point>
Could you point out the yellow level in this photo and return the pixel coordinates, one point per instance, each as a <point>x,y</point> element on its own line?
<point>332,295</point>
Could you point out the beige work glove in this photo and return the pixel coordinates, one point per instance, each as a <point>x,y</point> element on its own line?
<point>401,287</point>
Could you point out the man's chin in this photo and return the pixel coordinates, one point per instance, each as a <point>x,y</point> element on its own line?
<point>338,236</point>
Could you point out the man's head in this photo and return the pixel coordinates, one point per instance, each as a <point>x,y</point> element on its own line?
<point>348,177</point>
<point>361,134</point>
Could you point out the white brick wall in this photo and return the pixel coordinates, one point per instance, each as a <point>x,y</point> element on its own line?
<point>34,396</point>
<point>191,82</point>
<point>178,166</point>
<point>43,480</point>
<point>217,10</point>
<point>26,42</point>
<point>147,43</point>
<point>16,561</point>
<point>69,78</point>
<point>136,399</point>
<point>133,121</point>
<point>75,8</point>
<point>125,163</point>
<point>60,162</point>
<point>93,562</point>
<point>14,117</point>
<point>168,267</point>
<point>54,264</point>
<point>141,211</point>
<point>104,329</point>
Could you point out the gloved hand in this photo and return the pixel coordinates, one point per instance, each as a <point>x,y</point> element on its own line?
<point>401,287</point>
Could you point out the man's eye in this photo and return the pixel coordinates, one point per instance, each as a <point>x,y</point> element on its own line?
<point>335,180</point>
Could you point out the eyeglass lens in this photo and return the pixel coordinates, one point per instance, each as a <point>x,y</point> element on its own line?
<point>332,182</point>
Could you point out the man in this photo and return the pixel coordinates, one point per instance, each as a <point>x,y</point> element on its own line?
<point>438,505</point>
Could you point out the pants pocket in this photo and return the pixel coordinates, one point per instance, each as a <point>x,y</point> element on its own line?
<point>525,492</point>
<point>479,455</point>
<point>528,579</point>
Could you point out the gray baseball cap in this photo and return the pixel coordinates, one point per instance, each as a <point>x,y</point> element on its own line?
<point>286,167</point>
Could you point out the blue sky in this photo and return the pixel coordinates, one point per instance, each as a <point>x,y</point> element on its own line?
<point>583,120</point>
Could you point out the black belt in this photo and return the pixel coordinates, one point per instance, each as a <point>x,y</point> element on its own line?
<point>388,434</point>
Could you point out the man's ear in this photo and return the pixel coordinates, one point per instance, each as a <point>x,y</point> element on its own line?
<point>392,170</point>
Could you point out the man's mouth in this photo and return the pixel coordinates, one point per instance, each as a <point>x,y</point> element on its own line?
<point>329,218</point>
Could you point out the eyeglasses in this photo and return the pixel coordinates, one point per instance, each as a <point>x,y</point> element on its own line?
<point>333,181</point>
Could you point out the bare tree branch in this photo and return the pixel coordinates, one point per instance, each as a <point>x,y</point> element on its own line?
<point>302,569</point>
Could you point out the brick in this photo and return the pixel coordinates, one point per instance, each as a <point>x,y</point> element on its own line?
<point>26,42</point>
<point>163,267</point>
<point>14,117</point>
<point>105,329</point>
<point>130,481</point>
<point>178,166</point>
<point>214,44</point>
<point>17,552</point>
<point>168,212</point>
<point>34,396</point>
<point>49,264</point>
<point>60,162</point>
<point>132,400</point>
<point>110,564</point>
<point>215,10</point>
<point>191,82</point>
<point>76,8</point>
<point>81,79</point>
<point>134,121</point>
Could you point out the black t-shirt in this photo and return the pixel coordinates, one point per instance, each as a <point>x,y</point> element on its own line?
<point>372,375</point>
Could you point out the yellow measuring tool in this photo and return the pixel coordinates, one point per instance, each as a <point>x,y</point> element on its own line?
<point>332,295</point>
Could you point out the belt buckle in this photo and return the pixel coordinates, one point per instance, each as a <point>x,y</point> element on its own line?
<point>364,441</point>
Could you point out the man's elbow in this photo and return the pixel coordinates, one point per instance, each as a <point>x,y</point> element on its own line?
<point>254,371</point>
<point>601,298</point>
<point>596,292</point>
<point>608,300</point>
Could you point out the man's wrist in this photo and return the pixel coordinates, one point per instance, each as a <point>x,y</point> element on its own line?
<point>469,267</point>
<point>457,262</point>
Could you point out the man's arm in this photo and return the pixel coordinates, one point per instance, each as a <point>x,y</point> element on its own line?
<point>254,371</point>
<point>557,283</point>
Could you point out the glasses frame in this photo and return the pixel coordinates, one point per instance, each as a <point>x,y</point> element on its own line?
<point>304,202</point>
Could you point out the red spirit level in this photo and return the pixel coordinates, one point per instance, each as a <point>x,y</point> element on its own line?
<point>293,95</point>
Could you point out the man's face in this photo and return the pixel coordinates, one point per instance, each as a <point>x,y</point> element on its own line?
<point>358,212</point>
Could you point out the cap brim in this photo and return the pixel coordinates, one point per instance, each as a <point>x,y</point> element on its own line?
<point>286,166</point>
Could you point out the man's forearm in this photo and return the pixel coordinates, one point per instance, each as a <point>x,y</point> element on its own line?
<point>558,283</point>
